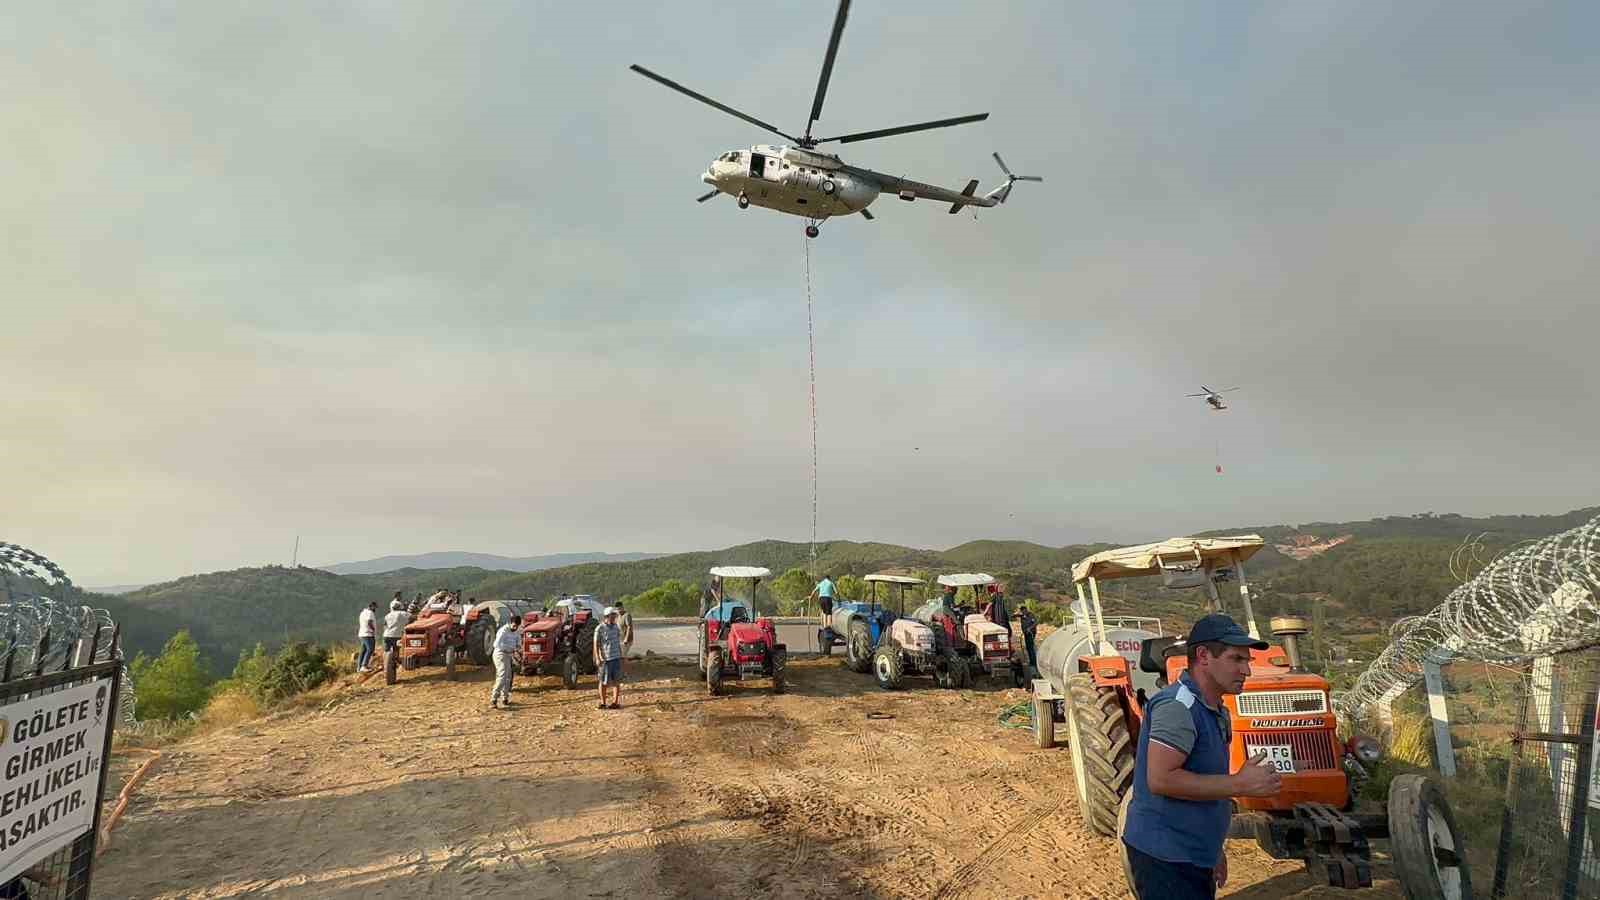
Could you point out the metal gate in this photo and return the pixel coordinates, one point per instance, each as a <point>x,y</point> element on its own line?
<point>1549,839</point>
<point>53,766</point>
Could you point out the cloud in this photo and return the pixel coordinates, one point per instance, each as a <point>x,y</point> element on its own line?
<point>400,276</point>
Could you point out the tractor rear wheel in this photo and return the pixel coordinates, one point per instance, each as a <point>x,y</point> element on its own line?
<point>569,672</point>
<point>450,655</point>
<point>824,642</point>
<point>780,668</point>
<point>860,648</point>
<point>1019,674</point>
<point>1429,857</point>
<point>1044,723</point>
<point>1102,751</point>
<point>1122,849</point>
<point>887,667</point>
<point>480,641</point>
<point>713,667</point>
<point>391,667</point>
<point>583,647</point>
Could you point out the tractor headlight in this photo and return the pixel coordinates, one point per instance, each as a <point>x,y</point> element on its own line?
<point>1366,750</point>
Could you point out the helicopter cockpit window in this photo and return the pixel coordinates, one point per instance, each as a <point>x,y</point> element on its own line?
<point>735,156</point>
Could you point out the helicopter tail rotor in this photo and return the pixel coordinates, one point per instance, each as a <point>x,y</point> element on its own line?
<point>1000,194</point>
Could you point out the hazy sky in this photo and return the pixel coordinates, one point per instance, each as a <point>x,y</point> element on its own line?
<point>403,277</point>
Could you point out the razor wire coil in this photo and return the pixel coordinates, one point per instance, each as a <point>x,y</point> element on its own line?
<point>1534,600</point>
<point>42,632</point>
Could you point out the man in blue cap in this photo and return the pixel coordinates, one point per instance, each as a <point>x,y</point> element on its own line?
<point>1178,818</point>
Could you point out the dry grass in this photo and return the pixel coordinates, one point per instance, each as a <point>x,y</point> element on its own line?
<point>225,709</point>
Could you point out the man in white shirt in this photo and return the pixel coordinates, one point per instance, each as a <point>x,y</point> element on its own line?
<point>505,645</point>
<point>367,634</point>
<point>394,625</point>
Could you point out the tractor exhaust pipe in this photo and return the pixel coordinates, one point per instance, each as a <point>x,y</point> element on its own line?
<point>1288,630</point>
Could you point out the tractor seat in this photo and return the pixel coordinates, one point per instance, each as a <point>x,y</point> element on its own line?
<point>1153,654</point>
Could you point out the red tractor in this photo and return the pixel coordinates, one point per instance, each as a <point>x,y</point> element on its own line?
<point>567,635</point>
<point>733,643</point>
<point>445,631</point>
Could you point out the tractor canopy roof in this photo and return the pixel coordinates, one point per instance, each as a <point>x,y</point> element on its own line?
<point>740,571</point>
<point>966,580</point>
<point>723,611</point>
<point>893,579</point>
<point>1147,559</point>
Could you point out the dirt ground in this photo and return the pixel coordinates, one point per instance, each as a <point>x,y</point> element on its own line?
<point>420,790</point>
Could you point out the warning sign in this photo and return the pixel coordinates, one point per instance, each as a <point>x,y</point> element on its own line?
<point>1594,764</point>
<point>50,747</point>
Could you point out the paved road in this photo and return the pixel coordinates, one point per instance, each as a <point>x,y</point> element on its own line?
<point>675,637</point>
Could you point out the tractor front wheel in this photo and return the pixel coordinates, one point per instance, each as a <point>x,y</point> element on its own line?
<point>824,642</point>
<point>1429,857</point>
<point>1102,751</point>
<point>391,667</point>
<point>569,672</point>
<point>1044,723</point>
<point>1019,674</point>
<point>713,667</point>
<point>860,648</point>
<point>887,667</point>
<point>450,655</point>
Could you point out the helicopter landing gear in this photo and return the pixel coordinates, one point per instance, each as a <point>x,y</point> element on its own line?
<point>744,200</point>
<point>811,231</point>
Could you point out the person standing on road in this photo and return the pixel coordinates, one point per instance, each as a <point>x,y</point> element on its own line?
<point>1029,626</point>
<point>1182,790</point>
<point>367,634</point>
<point>824,594</point>
<point>505,646</point>
<point>608,658</point>
<point>625,625</point>
<point>394,626</point>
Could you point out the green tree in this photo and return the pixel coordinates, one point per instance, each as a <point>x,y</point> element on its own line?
<point>851,588</point>
<point>173,684</point>
<point>669,598</point>
<point>790,591</point>
<point>297,668</point>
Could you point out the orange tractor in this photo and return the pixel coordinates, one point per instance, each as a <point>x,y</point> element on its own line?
<point>1097,688</point>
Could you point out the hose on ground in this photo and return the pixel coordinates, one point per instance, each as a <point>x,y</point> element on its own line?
<point>1017,715</point>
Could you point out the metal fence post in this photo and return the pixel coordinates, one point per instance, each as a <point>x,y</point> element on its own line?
<point>1502,858</point>
<point>84,847</point>
<point>1578,825</point>
<point>1444,752</point>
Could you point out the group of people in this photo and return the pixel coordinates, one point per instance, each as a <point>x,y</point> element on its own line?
<point>394,628</point>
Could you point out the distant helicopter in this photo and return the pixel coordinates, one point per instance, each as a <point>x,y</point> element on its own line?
<point>1213,397</point>
<point>818,186</point>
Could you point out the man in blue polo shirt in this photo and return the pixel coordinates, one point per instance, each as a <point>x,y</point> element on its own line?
<point>1178,818</point>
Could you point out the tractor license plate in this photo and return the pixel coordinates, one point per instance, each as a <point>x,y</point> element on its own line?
<point>1279,756</point>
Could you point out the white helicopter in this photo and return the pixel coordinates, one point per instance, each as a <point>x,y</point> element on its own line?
<point>796,179</point>
<point>1213,397</point>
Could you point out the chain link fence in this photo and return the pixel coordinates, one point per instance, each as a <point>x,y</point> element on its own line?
<point>1548,843</point>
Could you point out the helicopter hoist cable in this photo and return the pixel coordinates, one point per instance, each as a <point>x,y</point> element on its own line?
<point>811,350</point>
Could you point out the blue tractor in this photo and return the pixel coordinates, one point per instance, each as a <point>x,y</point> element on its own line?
<point>859,626</point>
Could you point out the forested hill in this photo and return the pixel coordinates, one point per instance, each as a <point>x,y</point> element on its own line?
<point>1390,566</point>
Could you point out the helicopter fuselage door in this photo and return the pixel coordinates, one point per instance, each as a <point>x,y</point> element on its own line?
<point>758,166</point>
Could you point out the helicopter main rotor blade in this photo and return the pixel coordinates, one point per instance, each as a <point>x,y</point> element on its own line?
<point>903,129</point>
<point>827,64</point>
<point>1029,178</point>
<point>708,101</point>
<point>1003,167</point>
<point>706,196</point>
